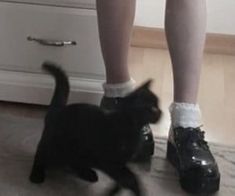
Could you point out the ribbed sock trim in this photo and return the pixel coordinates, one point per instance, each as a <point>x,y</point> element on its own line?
<point>119,89</point>
<point>185,115</point>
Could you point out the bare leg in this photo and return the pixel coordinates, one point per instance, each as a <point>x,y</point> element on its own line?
<point>185,25</point>
<point>115,21</point>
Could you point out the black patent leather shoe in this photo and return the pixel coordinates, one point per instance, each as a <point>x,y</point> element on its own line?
<point>189,153</point>
<point>147,147</point>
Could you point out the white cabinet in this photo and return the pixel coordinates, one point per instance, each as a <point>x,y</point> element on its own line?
<point>28,34</point>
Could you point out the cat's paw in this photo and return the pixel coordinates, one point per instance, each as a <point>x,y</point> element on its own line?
<point>87,175</point>
<point>114,190</point>
<point>37,178</point>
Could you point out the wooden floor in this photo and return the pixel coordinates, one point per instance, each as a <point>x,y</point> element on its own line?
<point>216,95</point>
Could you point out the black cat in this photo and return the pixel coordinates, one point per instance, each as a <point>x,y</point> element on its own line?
<point>83,137</point>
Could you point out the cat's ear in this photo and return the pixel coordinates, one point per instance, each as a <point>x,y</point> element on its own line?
<point>146,85</point>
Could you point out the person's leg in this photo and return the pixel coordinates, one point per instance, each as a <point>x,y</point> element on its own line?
<point>185,26</point>
<point>115,22</point>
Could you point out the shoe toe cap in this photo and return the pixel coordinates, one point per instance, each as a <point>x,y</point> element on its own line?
<point>202,171</point>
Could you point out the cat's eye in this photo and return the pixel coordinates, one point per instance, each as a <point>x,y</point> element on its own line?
<point>154,109</point>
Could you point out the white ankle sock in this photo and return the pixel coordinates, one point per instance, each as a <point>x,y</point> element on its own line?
<point>185,115</point>
<point>118,89</point>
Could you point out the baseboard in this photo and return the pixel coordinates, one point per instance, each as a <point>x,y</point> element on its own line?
<point>155,38</point>
<point>38,88</point>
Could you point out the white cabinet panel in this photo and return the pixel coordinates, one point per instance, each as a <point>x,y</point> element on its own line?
<point>49,23</point>
<point>21,77</point>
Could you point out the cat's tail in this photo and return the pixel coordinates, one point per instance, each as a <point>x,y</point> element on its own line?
<point>61,91</point>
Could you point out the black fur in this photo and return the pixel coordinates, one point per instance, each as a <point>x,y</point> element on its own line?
<point>83,137</point>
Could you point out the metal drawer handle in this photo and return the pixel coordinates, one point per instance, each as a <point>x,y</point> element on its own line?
<point>55,43</point>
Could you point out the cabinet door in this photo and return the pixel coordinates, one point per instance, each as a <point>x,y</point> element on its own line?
<point>18,22</point>
<point>21,77</point>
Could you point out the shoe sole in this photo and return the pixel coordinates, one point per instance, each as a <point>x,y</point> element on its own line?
<point>201,185</point>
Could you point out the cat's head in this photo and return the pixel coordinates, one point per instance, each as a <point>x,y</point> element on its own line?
<point>143,103</point>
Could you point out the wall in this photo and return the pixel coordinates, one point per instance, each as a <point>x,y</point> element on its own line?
<point>221,15</point>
